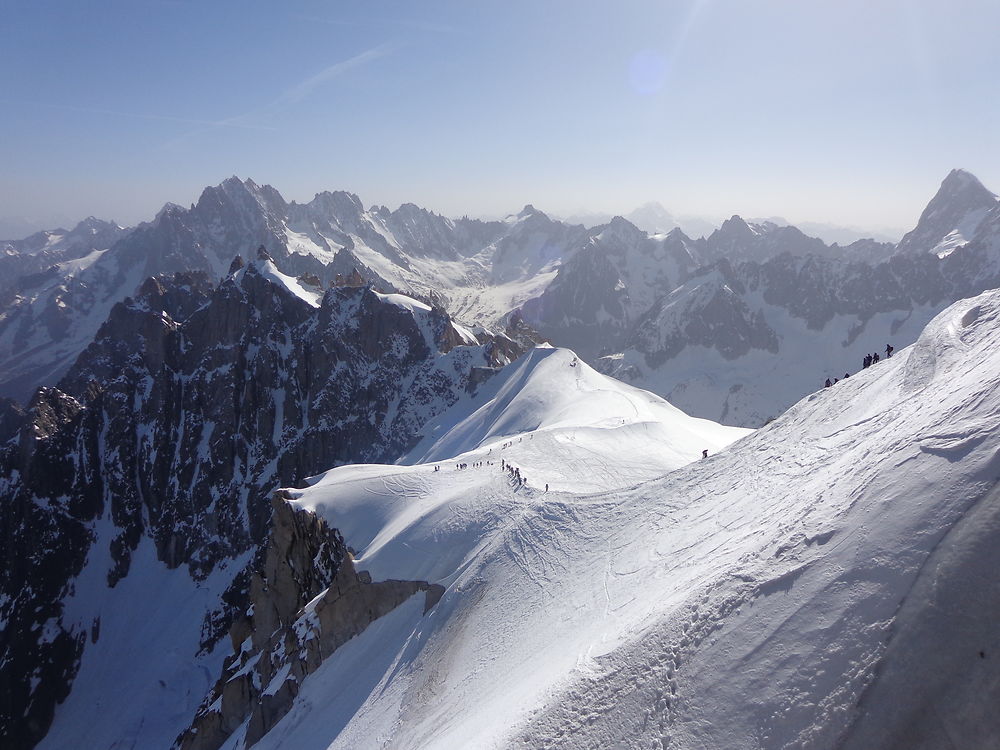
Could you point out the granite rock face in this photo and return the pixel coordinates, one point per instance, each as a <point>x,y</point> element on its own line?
<point>305,602</point>
<point>176,424</point>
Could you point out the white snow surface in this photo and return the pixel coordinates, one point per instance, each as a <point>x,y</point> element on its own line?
<point>552,396</point>
<point>961,234</point>
<point>743,601</point>
<point>140,683</point>
<point>293,285</point>
<point>754,388</point>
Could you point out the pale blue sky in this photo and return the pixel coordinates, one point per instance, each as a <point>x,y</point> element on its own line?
<point>849,111</point>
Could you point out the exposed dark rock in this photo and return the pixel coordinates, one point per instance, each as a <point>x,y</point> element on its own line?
<point>280,640</point>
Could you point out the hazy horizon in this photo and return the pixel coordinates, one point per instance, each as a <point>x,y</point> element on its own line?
<point>848,115</point>
<point>586,215</point>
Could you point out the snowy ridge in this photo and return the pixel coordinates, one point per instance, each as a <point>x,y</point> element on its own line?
<point>551,394</point>
<point>267,269</point>
<point>648,613</point>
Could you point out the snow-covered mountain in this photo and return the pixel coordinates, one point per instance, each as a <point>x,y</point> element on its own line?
<point>953,216</point>
<point>482,270</point>
<point>734,326</point>
<point>88,235</point>
<point>148,474</point>
<point>600,294</point>
<point>760,314</point>
<point>41,251</point>
<point>820,583</point>
<point>546,420</point>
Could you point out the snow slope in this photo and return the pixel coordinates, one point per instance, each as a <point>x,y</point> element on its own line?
<point>138,682</point>
<point>567,411</point>
<point>744,601</point>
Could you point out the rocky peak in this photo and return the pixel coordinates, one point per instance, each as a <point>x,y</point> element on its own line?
<point>530,219</point>
<point>171,210</point>
<point>93,225</point>
<point>413,212</point>
<point>957,209</point>
<point>967,186</point>
<point>737,240</point>
<point>239,208</point>
<point>652,217</point>
<point>338,207</point>
<point>240,191</point>
<point>733,228</point>
<point>424,232</point>
<point>620,231</point>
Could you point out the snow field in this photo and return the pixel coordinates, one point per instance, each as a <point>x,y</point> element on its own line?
<point>740,601</point>
<point>140,683</point>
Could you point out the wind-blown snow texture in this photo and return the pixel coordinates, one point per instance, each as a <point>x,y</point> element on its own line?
<point>770,596</point>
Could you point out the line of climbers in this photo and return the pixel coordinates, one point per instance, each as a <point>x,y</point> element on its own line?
<point>476,465</point>
<point>871,359</point>
<point>868,361</point>
<point>516,478</point>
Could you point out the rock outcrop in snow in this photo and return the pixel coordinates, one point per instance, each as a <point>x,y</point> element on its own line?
<point>306,601</point>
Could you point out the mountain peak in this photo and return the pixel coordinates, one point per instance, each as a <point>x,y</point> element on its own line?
<point>963,190</point>
<point>263,268</point>
<point>734,226</point>
<point>620,229</point>
<point>952,216</point>
<point>235,181</point>
<point>653,218</point>
<point>169,209</point>
<point>961,180</point>
<point>241,195</point>
<point>92,223</point>
<point>339,204</point>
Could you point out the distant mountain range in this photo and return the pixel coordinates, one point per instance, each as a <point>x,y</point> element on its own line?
<point>653,218</point>
<point>733,326</point>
